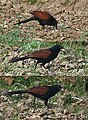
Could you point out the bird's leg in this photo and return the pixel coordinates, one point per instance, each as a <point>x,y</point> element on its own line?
<point>35,65</point>
<point>43,27</point>
<point>46,101</point>
<point>48,67</point>
<point>34,104</point>
<point>43,65</point>
<point>23,64</point>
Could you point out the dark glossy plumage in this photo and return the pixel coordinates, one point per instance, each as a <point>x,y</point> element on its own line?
<point>43,17</point>
<point>42,56</point>
<point>41,92</point>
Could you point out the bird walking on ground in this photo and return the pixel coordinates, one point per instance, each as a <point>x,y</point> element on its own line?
<point>42,56</point>
<point>43,17</point>
<point>41,92</point>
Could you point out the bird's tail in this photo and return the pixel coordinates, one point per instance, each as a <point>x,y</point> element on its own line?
<point>16,92</point>
<point>25,21</point>
<point>19,59</point>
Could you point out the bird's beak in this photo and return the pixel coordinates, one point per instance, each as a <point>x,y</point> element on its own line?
<point>63,50</point>
<point>62,89</point>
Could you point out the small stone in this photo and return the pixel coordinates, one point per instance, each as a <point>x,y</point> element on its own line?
<point>3,2</point>
<point>5,26</point>
<point>66,112</point>
<point>65,117</point>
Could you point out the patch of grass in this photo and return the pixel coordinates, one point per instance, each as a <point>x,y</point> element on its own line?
<point>78,48</point>
<point>15,118</point>
<point>85,33</point>
<point>86,113</point>
<point>32,1</point>
<point>79,88</point>
<point>14,38</point>
<point>75,50</point>
<point>65,3</point>
<point>1,29</point>
<point>67,100</point>
<point>19,82</point>
<point>74,89</point>
<point>35,1</point>
<point>77,109</point>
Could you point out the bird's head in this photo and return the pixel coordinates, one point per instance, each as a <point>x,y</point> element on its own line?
<point>58,87</point>
<point>58,48</point>
<point>61,48</point>
<point>61,88</point>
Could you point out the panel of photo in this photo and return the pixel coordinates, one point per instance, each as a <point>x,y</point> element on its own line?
<point>44,60</point>
<point>45,97</point>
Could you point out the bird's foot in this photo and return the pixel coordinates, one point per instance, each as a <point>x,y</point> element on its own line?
<point>47,67</point>
<point>48,107</point>
<point>33,111</point>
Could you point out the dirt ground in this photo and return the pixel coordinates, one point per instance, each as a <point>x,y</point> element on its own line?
<point>67,105</point>
<point>72,17</point>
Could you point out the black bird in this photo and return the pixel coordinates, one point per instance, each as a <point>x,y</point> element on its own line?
<point>42,56</point>
<point>41,92</point>
<point>43,17</point>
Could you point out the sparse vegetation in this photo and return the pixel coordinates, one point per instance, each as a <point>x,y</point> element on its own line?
<point>69,100</point>
<point>70,69</point>
<point>15,44</point>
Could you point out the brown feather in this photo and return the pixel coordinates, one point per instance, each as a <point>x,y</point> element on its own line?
<point>41,15</point>
<point>40,54</point>
<point>41,90</point>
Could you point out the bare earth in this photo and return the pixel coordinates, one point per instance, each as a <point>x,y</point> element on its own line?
<point>72,15</point>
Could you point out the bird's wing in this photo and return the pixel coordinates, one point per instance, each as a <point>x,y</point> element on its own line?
<point>41,90</point>
<point>41,54</point>
<point>41,14</point>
